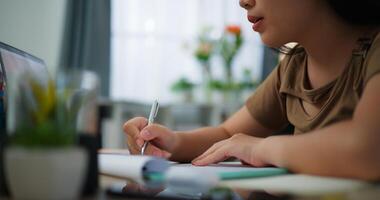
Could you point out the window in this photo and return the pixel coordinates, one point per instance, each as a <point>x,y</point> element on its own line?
<point>148,39</point>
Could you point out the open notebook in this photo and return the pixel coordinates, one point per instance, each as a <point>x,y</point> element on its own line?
<point>152,169</point>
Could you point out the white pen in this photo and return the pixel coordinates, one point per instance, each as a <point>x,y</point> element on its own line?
<point>152,115</point>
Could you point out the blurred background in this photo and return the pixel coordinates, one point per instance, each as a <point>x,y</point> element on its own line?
<point>199,58</point>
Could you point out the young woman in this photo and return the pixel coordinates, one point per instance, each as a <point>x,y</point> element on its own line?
<point>326,87</point>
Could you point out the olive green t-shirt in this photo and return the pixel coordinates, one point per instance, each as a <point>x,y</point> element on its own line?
<point>278,101</point>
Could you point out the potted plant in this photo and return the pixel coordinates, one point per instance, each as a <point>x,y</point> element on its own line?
<point>184,89</point>
<point>42,160</point>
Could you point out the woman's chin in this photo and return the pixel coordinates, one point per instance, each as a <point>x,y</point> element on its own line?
<point>271,41</point>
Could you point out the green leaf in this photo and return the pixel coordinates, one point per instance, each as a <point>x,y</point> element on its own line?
<point>182,85</point>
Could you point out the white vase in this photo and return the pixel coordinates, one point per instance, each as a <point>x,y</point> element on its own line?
<point>45,173</point>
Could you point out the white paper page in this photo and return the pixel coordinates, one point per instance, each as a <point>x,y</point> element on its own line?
<point>188,178</point>
<point>298,184</point>
<point>130,166</point>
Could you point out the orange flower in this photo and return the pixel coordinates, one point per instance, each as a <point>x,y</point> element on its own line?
<point>234,29</point>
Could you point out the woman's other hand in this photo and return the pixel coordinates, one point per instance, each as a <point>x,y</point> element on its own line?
<point>240,146</point>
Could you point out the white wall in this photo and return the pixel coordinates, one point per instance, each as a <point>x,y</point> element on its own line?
<point>35,26</point>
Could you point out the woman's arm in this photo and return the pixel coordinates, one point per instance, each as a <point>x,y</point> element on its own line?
<point>192,143</point>
<point>266,97</point>
<point>347,149</point>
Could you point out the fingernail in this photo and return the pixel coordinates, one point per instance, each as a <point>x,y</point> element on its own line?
<point>195,162</point>
<point>139,142</point>
<point>146,133</point>
<point>167,154</point>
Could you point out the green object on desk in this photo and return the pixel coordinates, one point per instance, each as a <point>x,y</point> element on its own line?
<point>252,174</point>
<point>264,172</point>
<point>154,177</point>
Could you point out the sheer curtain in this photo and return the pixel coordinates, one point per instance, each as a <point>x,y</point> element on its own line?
<point>151,39</point>
<point>86,43</point>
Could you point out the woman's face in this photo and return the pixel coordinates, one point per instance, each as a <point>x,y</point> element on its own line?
<point>282,21</point>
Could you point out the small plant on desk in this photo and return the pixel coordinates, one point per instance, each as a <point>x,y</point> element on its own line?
<point>42,160</point>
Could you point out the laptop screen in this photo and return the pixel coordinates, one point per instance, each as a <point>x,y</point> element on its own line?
<point>14,61</point>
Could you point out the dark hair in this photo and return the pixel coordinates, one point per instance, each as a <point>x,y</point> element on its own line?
<point>358,12</point>
<point>364,13</point>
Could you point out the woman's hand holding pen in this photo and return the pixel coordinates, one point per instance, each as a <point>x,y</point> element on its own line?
<point>162,141</point>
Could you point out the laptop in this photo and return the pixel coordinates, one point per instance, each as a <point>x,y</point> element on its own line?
<point>15,61</point>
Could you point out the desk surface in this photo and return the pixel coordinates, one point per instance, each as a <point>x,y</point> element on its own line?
<point>287,187</point>
<point>284,187</point>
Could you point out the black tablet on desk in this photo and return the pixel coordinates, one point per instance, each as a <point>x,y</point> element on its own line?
<point>129,190</point>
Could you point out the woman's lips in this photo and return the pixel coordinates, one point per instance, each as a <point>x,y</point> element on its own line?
<point>257,22</point>
<point>257,25</point>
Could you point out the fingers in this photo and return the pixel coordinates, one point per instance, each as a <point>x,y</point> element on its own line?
<point>140,142</point>
<point>238,146</point>
<point>132,128</point>
<point>134,125</point>
<point>155,151</point>
<point>213,155</point>
<point>153,131</point>
<point>205,154</point>
<point>150,150</point>
<point>244,162</point>
<point>161,139</point>
<point>132,146</point>
<point>216,156</point>
<point>160,136</point>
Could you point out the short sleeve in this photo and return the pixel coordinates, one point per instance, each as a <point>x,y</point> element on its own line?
<point>372,63</point>
<point>267,105</point>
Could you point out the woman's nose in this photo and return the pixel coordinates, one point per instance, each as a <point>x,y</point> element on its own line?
<point>247,4</point>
